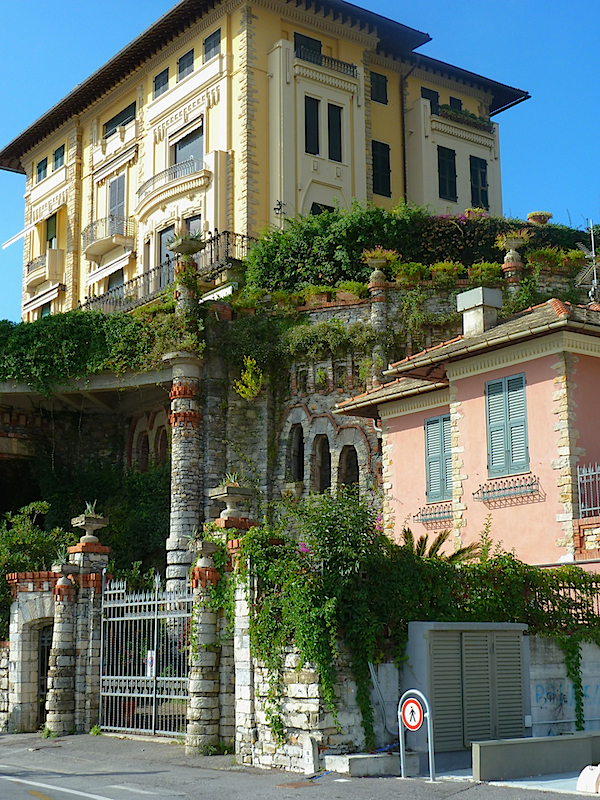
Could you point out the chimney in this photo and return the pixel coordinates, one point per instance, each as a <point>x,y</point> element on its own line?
<point>479,309</point>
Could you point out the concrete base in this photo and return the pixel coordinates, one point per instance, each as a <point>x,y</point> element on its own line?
<point>361,765</point>
<point>505,759</point>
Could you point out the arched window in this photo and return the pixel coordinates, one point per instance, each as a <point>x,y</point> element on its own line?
<point>162,443</point>
<point>348,468</point>
<point>296,453</point>
<point>143,452</point>
<point>321,464</point>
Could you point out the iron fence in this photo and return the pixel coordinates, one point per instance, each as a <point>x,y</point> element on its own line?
<point>144,660</point>
<point>112,225</point>
<point>188,167</point>
<point>37,263</point>
<point>132,293</point>
<point>588,483</point>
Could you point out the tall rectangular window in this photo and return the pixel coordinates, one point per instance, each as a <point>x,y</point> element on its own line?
<point>116,192</point>
<point>51,232</point>
<point>381,169</point>
<point>479,184</point>
<point>438,459</point>
<point>212,45</point>
<point>58,157</point>
<point>163,237</point>
<point>124,117</point>
<point>456,103</point>
<point>433,97</point>
<point>185,65</point>
<point>191,146</point>
<point>334,126</point>
<point>311,125</point>
<point>302,42</point>
<point>506,417</point>
<point>447,173</point>
<point>379,91</point>
<point>42,169</point>
<point>161,83</point>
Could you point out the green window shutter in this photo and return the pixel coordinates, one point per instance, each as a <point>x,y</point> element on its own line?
<point>446,689</point>
<point>517,424</point>
<point>477,686</point>
<point>509,684</point>
<point>496,428</point>
<point>117,196</point>
<point>438,459</point>
<point>433,457</point>
<point>447,457</point>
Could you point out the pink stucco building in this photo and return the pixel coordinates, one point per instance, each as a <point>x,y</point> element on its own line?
<point>496,423</point>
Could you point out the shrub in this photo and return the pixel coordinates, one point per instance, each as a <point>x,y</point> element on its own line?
<point>485,273</point>
<point>444,274</point>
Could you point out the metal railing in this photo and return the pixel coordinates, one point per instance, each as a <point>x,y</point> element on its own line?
<point>37,263</point>
<point>588,483</point>
<point>180,170</point>
<point>505,488</point>
<point>108,226</point>
<point>223,250</point>
<point>133,293</point>
<point>306,54</point>
<point>434,513</point>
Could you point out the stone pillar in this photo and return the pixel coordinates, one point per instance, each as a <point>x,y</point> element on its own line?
<point>245,726</point>
<point>185,420</point>
<point>60,701</point>
<point>203,708</point>
<point>377,286</point>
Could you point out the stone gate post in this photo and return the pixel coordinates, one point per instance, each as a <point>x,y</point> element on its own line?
<point>60,701</point>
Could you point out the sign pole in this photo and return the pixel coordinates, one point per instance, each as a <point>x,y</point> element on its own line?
<point>410,716</point>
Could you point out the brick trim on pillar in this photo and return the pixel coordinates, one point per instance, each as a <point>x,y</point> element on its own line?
<point>186,458</point>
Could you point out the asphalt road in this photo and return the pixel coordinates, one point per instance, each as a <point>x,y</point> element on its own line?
<point>106,768</point>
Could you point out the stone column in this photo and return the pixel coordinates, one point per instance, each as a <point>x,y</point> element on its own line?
<point>185,420</point>
<point>377,286</point>
<point>203,708</point>
<point>60,701</point>
<point>245,726</point>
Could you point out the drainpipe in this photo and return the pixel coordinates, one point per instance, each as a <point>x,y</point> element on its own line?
<point>403,79</point>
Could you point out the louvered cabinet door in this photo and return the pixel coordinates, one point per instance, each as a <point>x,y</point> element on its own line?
<point>508,668</point>
<point>478,700</point>
<point>446,690</point>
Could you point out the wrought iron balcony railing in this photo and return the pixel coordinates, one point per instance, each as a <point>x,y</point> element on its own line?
<point>222,250</point>
<point>588,482</point>
<point>180,170</point>
<point>306,54</point>
<point>437,512</point>
<point>507,488</point>
<point>107,227</point>
<point>37,263</point>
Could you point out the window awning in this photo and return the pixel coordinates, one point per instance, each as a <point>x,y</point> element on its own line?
<point>18,236</point>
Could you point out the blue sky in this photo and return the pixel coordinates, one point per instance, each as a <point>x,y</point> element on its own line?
<point>549,145</point>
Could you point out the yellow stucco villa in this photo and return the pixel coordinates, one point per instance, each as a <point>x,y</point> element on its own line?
<point>226,116</point>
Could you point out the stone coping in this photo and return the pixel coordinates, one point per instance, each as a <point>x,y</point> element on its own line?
<point>89,547</point>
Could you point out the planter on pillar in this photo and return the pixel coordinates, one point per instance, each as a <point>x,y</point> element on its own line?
<point>185,420</point>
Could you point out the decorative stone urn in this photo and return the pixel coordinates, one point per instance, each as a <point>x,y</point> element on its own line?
<point>512,256</point>
<point>89,524</point>
<point>231,496</point>
<point>294,488</point>
<point>186,245</point>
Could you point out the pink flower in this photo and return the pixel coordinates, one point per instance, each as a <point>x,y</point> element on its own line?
<point>304,548</point>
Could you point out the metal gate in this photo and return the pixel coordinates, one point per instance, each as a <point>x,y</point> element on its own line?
<point>144,660</point>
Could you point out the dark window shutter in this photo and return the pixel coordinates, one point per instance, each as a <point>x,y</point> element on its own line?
<point>477,686</point>
<point>479,184</point>
<point>447,173</point>
<point>517,424</point>
<point>438,459</point>
<point>381,169</point>
<point>379,91</point>
<point>311,125</point>
<point>433,97</point>
<point>334,123</point>
<point>496,428</point>
<point>446,690</point>
<point>117,197</point>
<point>507,426</point>
<point>51,228</point>
<point>447,457</point>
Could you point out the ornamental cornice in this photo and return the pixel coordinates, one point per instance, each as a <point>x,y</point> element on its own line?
<point>561,341</point>
<point>410,405</point>
<point>49,206</point>
<point>192,110</point>
<point>325,77</point>
<point>199,181</point>
<point>392,64</point>
<point>459,132</point>
<point>434,77</point>
<point>321,21</point>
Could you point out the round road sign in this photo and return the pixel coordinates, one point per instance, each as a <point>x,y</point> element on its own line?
<point>412,714</point>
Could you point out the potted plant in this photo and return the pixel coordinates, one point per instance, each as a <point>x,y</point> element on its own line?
<point>510,241</point>
<point>90,521</point>
<point>186,244</point>
<point>539,217</point>
<point>378,258</point>
<point>231,491</point>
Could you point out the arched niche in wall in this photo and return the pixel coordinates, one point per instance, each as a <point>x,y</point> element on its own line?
<point>161,446</point>
<point>143,452</point>
<point>348,472</point>
<point>321,464</point>
<point>295,455</point>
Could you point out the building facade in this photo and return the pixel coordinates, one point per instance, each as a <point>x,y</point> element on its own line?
<point>497,424</point>
<point>224,117</point>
